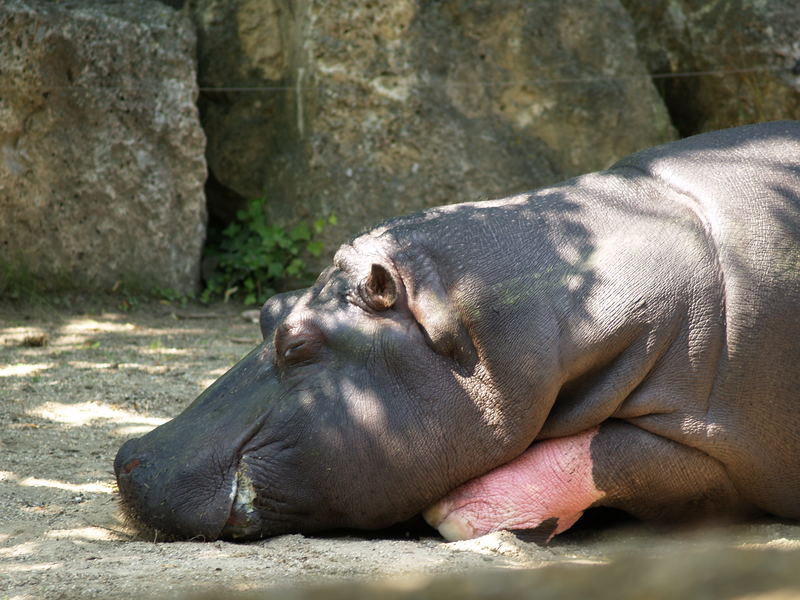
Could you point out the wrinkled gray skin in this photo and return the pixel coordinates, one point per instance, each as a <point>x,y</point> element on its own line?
<point>659,299</point>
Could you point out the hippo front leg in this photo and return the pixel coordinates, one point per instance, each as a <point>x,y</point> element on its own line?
<point>544,491</point>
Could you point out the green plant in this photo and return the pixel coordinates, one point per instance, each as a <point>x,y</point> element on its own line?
<point>252,256</point>
<point>18,283</point>
<point>170,297</point>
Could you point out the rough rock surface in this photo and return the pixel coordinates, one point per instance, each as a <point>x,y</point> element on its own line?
<point>748,48</point>
<point>387,107</point>
<point>101,151</point>
<point>243,47</point>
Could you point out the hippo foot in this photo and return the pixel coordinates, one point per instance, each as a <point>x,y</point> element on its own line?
<point>545,490</point>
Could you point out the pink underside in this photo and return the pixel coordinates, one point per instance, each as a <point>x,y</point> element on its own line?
<point>552,479</point>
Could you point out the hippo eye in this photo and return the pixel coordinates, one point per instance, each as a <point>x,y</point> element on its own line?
<point>299,351</point>
<point>297,344</point>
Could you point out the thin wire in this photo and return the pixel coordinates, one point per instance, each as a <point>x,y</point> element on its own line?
<point>541,81</point>
<point>794,70</point>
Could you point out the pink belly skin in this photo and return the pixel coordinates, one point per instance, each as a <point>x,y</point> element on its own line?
<point>550,480</point>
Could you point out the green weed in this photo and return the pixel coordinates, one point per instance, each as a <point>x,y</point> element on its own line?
<point>252,257</point>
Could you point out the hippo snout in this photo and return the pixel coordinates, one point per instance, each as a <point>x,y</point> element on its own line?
<point>155,492</point>
<point>187,478</point>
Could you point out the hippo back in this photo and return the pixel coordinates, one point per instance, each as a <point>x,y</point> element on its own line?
<point>744,186</point>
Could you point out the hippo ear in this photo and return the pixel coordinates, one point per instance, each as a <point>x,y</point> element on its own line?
<point>379,289</point>
<point>445,331</point>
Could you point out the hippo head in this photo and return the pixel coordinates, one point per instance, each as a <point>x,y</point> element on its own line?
<point>366,401</point>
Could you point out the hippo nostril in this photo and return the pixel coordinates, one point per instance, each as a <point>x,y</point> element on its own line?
<point>130,465</point>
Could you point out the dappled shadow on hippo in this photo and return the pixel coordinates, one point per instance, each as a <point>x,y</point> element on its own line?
<point>625,339</point>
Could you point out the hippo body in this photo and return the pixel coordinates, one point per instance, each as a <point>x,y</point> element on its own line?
<point>629,338</point>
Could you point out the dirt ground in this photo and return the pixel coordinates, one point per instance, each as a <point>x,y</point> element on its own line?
<point>75,384</point>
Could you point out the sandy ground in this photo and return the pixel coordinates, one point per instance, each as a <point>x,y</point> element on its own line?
<point>74,385</point>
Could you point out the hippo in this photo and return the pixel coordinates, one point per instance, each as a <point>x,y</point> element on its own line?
<point>626,339</point>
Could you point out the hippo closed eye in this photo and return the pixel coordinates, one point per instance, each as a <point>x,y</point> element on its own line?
<point>629,338</point>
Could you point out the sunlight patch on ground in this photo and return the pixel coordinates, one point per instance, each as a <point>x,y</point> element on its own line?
<point>23,549</point>
<point>80,331</point>
<point>156,369</point>
<point>83,326</point>
<point>10,335</point>
<point>26,568</point>
<point>777,544</point>
<point>96,487</point>
<point>82,364</point>
<point>167,331</point>
<point>21,370</point>
<point>168,351</point>
<point>135,430</point>
<point>151,369</point>
<point>85,412</point>
<point>504,543</point>
<point>84,533</point>
<point>92,326</point>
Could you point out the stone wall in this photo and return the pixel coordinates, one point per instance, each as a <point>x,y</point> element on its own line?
<point>369,110</point>
<point>745,55</point>
<point>101,151</point>
<point>364,110</point>
<point>374,109</point>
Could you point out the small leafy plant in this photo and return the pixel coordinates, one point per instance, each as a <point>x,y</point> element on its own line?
<point>252,256</point>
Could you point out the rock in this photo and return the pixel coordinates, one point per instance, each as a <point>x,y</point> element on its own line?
<point>370,110</point>
<point>749,48</point>
<point>243,45</point>
<point>101,150</point>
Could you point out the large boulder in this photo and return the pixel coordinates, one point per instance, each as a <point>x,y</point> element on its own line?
<point>369,110</point>
<point>101,151</point>
<point>246,107</point>
<point>738,61</point>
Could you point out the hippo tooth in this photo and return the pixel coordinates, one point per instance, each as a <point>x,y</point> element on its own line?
<point>245,492</point>
<point>244,520</point>
<point>234,488</point>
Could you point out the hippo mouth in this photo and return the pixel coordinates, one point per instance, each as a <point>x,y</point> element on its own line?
<point>243,521</point>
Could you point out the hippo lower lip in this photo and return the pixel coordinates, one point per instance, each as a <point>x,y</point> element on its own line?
<point>244,521</point>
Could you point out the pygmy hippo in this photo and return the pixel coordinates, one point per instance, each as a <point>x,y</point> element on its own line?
<point>629,338</point>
